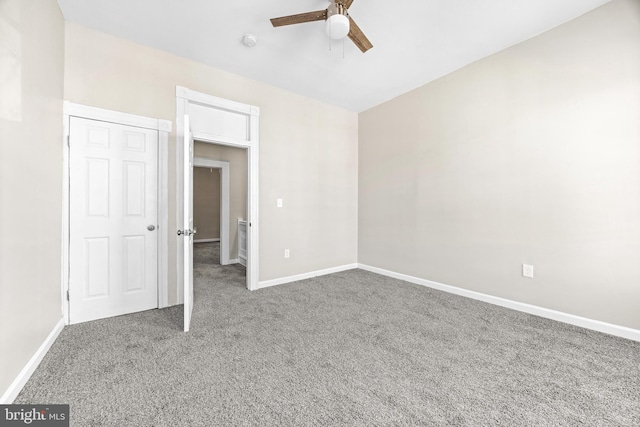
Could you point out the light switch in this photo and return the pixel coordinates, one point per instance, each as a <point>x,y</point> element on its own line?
<point>279,202</point>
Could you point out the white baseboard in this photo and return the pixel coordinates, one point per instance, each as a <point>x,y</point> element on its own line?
<point>16,386</point>
<point>242,261</point>
<point>234,261</point>
<point>596,325</point>
<point>303,276</point>
<point>205,240</point>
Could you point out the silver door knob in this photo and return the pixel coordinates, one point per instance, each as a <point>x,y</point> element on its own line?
<point>151,227</point>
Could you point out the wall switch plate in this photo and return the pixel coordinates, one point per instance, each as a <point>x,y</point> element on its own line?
<point>527,270</point>
<point>286,253</point>
<point>279,203</point>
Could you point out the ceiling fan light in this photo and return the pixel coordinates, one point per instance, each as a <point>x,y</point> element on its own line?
<point>337,26</point>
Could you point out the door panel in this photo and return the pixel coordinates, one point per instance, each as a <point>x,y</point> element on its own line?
<point>97,196</point>
<point>97,272</point>
<point>113,199</point>
<point>134,263</point>
<point>134,189</point>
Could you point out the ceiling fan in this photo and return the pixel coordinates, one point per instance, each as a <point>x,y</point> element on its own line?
<point>339,23</point>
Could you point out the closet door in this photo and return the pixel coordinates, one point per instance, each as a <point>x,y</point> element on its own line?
<point>113,197</point>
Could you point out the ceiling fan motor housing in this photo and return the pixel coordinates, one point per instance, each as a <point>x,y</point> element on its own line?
<point>337,22</point>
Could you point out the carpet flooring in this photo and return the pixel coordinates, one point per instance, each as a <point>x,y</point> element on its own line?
<point>347,349</point>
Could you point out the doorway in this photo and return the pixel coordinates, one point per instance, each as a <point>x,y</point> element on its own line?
<point>218,211</point>
<point>212,203</point>
<point>232,199</point>
<point>219,121</point>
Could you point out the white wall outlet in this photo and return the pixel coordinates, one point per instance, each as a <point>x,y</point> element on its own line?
<point>287,253</point>
<point>279,203</point>
<point>527,270</point>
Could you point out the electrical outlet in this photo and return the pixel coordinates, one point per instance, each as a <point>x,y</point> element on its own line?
<point>527,270</point>
<point>286,253</point>
<point>279,203</point>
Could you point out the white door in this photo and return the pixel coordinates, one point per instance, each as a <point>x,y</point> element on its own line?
<point>187,227</point>
<point>113,214</point>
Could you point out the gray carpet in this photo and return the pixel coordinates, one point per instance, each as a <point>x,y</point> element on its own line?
<point>352,348</point>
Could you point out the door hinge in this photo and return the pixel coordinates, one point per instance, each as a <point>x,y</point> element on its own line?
<point>68,140</point>
<point>67,295</point>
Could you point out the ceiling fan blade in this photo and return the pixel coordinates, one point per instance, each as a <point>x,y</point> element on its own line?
<point>357,36</point>
<point>319,15</point>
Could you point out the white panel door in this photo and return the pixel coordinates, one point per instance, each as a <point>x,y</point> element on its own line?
<point>187,227</point>
<point>113,217</point>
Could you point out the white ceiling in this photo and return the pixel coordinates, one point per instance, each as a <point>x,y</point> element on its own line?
<point>415,41</point>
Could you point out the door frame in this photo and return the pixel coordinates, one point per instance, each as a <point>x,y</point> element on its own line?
<point>203,162</point>
<point>201,124</point>
<point>163,127</point>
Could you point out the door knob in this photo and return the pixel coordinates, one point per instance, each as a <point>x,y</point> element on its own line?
<point>151,227</point>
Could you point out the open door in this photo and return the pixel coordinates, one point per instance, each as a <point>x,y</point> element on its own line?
<point>222,121</point>
<point>187,231</point>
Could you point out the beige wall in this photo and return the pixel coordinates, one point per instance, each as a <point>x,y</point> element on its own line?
<point>237,158</point>
<point>32,52</point>
<point>206,203</point>
<point>308,150</point>
<point>529,156</point>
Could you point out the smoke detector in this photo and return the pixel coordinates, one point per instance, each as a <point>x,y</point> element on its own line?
<point>249,40</point>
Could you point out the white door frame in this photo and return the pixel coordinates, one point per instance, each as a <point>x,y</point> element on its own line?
<point>207,119</point>
<point>164,128</point>
<point>224,202</point>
